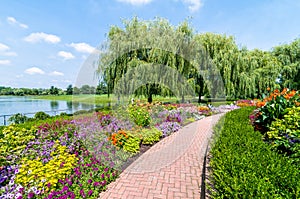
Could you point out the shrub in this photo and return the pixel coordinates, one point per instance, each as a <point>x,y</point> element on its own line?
<point>139,115</point>
<point>18,118</point>
<point>274,107</point>
<point>41,115</point>
<point>148,136</point>
<point>80,112</point>
<point>243,166</point>
<point>132,144</point>
<point>284,134</point>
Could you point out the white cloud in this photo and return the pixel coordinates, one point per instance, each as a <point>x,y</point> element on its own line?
<point>40,36</point>
<point>13,21</point>
<point>5,62</point>
<point>4,50</point>
<point>83,47</point>
<point>3,47</point>
<point>56,73</point>
<point>194,5</point>
<point>135,2</point>
<point>34,70</point>
<point>65,55</point>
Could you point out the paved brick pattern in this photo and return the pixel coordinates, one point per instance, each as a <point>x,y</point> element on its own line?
<point>170,169</point>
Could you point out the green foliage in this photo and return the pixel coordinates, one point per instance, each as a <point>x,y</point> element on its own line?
<point>275,109</point>
<point>139,115</point>
<point>289,57</point>
<point>41,115</point>
<point>13,140</point>
<point>132,144</point>
<point>18,118</point>
<point>284,134</point>
<point>80,112</point>
<point>149,136</point>
<point>243,166</point>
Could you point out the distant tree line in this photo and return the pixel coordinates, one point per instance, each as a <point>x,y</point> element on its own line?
<point>70,90</point>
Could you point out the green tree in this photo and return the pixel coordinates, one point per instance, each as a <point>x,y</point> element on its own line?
<point>69,90</point>
<point>101,88</point>
<point>142,43</point>
<point>53,90</point>
<point>289,57</point>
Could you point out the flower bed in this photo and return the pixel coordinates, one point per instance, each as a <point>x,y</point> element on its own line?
<point>78,158</point>
<point>277,117</point>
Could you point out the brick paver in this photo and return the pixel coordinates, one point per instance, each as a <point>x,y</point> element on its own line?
<point>170,169</point>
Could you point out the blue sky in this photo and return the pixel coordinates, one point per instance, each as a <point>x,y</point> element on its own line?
<point>45,43</point>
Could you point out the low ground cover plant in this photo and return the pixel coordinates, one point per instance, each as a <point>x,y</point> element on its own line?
<point>243,166</point>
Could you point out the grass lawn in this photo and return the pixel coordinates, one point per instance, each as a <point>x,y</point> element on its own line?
<point>99,99</point>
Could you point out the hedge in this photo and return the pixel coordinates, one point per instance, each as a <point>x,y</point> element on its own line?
<point>243,166</point>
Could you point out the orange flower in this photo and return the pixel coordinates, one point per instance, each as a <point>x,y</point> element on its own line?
<point>268,89</point>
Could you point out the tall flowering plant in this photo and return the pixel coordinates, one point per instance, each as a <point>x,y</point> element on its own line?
<point>274,107</point>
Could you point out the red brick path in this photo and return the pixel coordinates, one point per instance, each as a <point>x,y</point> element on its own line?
<point>170,169</point>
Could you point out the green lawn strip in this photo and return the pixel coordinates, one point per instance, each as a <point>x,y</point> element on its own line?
<point>243,166</point>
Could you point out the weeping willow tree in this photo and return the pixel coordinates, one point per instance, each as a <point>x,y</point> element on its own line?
<point>289,57</point>
<point>246,74</point>
<point>156,58</point>
<point>224,53</point>
<point>158,42</point>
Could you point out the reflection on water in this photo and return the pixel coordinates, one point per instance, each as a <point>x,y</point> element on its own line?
<point>87,106</point>
<point>69,105</point>
<point>10,105</point>
<point>54,105</point>
<point>76,105</point>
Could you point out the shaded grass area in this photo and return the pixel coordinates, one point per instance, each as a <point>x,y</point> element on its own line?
<point>101,99</point>
<point>243,166</point>
<point>104,99</point>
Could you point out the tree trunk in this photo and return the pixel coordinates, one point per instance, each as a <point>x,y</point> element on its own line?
<point>150,98</point>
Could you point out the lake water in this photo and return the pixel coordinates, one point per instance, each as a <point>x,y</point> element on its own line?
<point>10,105</point>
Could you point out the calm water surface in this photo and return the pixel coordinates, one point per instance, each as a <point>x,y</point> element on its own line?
<point>27,105</point>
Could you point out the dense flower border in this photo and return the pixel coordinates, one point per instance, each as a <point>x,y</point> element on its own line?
<point>80,157</point>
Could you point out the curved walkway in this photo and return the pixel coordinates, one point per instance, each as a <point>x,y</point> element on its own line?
<point>171,168</point>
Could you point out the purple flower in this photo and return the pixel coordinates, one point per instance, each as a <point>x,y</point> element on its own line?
<point>82,193</point>
<point>31,195</point>
<point>89,181</point>
<point>65,188</point>
<point>90,192</point>
<point>96,184</point>
<point>95,169</point>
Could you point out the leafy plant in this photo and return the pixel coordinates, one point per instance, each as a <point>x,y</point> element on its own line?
<point>243,166</point>
<point>139,115</point>
<point>284,134</point>
<point>275,108</point>
<point>41,115</point>
<point>18,118</point>
<point>132,144</point>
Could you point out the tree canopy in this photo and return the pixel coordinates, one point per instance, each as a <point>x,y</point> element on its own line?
<point>140,58</point>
